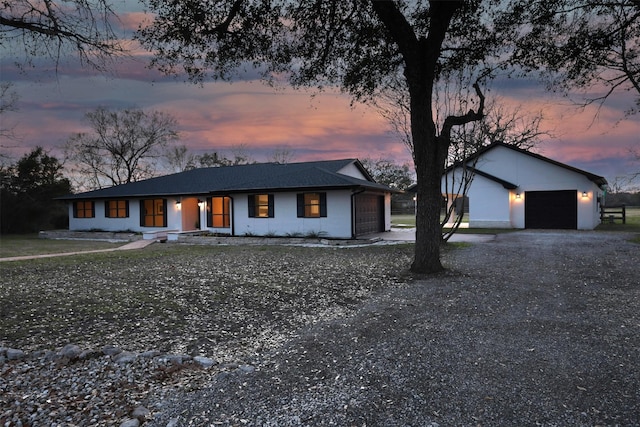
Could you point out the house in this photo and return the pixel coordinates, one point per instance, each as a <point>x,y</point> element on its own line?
<point>514,188</point>
<point>334,199</point>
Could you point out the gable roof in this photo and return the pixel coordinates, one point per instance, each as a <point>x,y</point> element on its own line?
<point>599,180</point>
<point>506,184</point>
<point>242,178</point>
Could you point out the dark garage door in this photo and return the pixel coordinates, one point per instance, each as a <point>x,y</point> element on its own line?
<point>551,209</point>
<point>369,214</point>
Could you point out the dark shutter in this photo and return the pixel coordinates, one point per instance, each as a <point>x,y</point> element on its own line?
<point>270,213</point>
<point>300,198</point>
<point>251,202</point>
<point>323,205</point>
<point>93,209</point>
<point>126,208</point>
<point>106,209</point>
<point>142,213</point>
<point>164,213</point>
<point>209,212</point>
<point>75,209</point>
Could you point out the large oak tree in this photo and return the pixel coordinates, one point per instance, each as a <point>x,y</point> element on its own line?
<point>357,45</point>
<point>596,43</point>
<point>46,28</point>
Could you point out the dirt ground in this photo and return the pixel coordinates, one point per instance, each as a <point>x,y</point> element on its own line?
<point>532,328</point>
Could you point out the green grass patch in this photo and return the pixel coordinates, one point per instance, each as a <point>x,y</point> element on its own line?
<point>31,244</point>
<point>403,221</point>
<point>632,221</point>
<point>409,220</point>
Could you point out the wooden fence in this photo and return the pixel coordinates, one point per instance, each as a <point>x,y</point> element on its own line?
<point>609,214</point>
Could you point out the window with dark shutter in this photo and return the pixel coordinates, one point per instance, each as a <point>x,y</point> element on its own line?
<point>312,205</point>
<point>261,206</point>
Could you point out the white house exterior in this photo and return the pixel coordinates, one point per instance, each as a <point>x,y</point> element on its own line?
<point>514,188</point>
<point>333,199</point>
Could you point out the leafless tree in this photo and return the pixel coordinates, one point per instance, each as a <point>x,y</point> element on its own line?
<point>502,123</point>
<point>179,159</point>
<point>282,155</point>
<point>125,146</point>
<point>8,101</point>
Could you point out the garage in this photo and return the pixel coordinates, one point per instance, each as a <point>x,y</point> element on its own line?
<point>551,209</point>
<point>369,216</point>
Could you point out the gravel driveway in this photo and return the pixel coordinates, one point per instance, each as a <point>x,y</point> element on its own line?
<point>533,328</point>
<point>530,328</point>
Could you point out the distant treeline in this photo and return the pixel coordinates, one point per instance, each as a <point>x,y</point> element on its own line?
<point>629,199</point>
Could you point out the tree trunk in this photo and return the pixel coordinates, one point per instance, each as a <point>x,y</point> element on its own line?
<point>429,170</point>
<point>429,157</point>
<point>429,150</point>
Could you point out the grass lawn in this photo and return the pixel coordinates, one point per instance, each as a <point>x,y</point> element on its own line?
<point>403,221</point>
<point>409,220</point>
<point>30,244</point>
<point>632,221</point>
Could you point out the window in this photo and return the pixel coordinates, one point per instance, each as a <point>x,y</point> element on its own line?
<point>260,206</point>
<point>116,209</point>
<point>153,213</point>
<point>84,209</point>
<point>218,212</point>
<point>312,205</point>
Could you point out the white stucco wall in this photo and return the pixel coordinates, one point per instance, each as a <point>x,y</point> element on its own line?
<point>387,212</point>
<point>132,223</point>
<point>285,222</point>
<point>492,205</point>
<point>100,222</point>
<point>337,223</point>
<point>352,170</point>
<point>488,204</point>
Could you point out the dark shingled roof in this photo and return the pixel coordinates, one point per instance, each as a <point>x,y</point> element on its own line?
<point>242,178</point>
<point>506,184</point>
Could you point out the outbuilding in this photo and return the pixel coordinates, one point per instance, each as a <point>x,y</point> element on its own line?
<point>515,188</point>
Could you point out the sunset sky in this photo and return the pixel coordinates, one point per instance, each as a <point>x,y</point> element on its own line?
<point>218,116</point>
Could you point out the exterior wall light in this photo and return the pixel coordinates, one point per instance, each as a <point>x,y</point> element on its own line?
<point>585,194</point>
<point>200,203</point>
<point>518,196</point>
<point>178,204</point>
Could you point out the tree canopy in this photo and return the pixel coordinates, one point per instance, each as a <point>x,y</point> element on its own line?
<point>46,28</point>
<point>363,47</point>
<point>360,46</point>
<point>596,42</point>
<point>28,188</point>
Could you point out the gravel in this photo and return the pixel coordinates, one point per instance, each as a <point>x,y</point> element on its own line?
<point>85,340</point>
<point>531,328</point>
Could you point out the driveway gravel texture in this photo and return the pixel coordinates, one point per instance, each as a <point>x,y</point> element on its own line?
<point>532,328</point>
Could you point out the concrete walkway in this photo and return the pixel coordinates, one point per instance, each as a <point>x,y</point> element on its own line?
<point>138,244</point>
<point>395,235</point>
<point>409,235</point>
